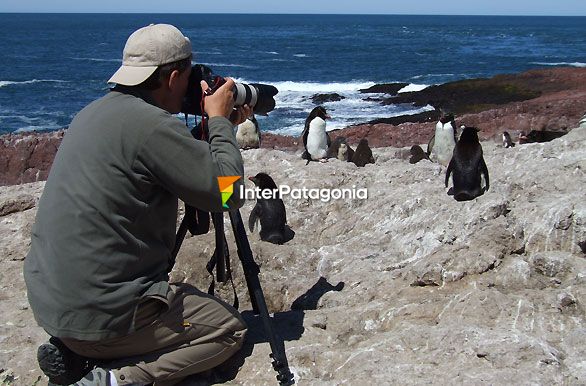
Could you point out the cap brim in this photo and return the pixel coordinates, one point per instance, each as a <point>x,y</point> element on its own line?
<point>131,76</point>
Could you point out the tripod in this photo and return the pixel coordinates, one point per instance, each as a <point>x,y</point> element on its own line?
<point>195,220</point>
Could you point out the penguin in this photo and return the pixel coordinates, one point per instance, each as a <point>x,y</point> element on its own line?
<point>341,150</point>
<point>362,154</point>
<point>248,134</point>
<point>417,154</point>
<point>507,141</point>
<point>270,212</point>
<point>467,166</point>
<point>316,140</point>
<point>444,139</point>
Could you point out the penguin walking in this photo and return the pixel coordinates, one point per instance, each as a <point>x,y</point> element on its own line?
<point>444,139</point>
<point>270,212</point>
<point>467,165</point>
<point>248,134</point>
<point>316,140</point>
<point>341,150</point>
<point>363,154</point>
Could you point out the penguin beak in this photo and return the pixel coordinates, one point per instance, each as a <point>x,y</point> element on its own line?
<point>328,116</point>
<point>252,179</point>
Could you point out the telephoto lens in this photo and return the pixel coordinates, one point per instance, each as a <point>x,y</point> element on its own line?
<point>259,96</point>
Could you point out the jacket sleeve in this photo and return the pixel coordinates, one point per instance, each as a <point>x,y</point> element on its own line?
<point>190,168</point>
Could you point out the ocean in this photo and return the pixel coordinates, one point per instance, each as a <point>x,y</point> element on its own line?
<point>52,65</point>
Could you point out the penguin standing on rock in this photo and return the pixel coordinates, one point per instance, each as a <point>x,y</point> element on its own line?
<point>467,166</point>
<point>248,134</point>
<point>316,140</point>
<point>444,139</point>
<point>507,141</point>
<point>363,154</point>
<point>341,150</point>
<point>270,212</point>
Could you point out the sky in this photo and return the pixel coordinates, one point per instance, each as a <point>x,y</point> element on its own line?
<point>414,7</point>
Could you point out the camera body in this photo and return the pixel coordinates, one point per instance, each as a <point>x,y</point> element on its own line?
<point>256,95</point>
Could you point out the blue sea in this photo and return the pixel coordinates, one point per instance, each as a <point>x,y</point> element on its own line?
<point>52,65</point>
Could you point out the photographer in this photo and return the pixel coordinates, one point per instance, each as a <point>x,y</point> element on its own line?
<point>96,273</point>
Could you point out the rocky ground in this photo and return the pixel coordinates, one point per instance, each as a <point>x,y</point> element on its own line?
<point>406,287</point>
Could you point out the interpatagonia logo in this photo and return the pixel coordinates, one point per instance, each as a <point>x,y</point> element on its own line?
<point>226,184</point>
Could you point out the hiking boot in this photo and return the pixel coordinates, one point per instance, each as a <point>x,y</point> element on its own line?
<point>60,364</point>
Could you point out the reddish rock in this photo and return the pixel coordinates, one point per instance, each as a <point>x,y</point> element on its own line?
<point>560,106</point>
<point>27,157</point>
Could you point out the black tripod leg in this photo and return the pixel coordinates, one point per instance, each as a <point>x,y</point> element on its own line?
<point>251,271</point>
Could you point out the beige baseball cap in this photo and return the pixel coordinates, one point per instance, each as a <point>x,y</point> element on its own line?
<point>146,49</point>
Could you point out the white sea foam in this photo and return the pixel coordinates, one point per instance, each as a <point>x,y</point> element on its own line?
<point>294,103</point>
<point>572,64</point>
<point>97,59</point>
<point>212,65</point>
<point>413,87</point>
<point>4,83</point>
<point>300,55</point>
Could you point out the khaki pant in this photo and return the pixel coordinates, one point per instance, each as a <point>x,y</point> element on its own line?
<point>196,333</point>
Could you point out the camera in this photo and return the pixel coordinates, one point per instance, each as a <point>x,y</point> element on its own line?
<point>256,95</point>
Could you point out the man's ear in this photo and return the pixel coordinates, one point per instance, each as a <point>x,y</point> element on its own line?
<point>173,80</point>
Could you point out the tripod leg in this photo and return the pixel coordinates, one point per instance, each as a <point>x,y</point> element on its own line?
<point>251,271</point>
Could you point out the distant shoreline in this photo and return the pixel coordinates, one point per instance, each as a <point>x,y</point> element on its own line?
<point>552,99</point>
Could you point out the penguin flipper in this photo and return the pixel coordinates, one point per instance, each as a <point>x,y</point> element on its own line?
<point>254,217</point>
<point>484,170</point>
<point>430,145</point>
<point>448,172</point>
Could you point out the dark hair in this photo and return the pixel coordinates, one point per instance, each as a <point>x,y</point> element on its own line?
<point>162,72</point>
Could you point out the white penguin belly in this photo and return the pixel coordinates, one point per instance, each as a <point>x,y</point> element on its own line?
<point>317,139</point>
<point>444,143</point>
<point>246,135</point>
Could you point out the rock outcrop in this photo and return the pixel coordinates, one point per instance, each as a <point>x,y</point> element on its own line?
<point>27,157</point>
<point>559,105</point>
<point>406,287</point>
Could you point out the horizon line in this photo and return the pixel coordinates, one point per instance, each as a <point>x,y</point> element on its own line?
<point>276,13</point>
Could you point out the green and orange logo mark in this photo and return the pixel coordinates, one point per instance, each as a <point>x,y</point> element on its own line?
<point>227,188</point>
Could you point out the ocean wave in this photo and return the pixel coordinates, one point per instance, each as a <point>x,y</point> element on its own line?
<point>37,128</point>
<point>315,87</point>
<point>227,65</point>
<point>4,83</point>
<point>431,75</point>
<point>571,64</point>
<point>97,59</point>
<point>300,55</point>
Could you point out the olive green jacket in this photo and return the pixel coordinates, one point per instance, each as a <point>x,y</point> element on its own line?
<point>106,221</point>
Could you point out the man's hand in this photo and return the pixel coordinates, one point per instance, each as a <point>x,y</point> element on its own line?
<point>221,102</point>
<point>239,114</point>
